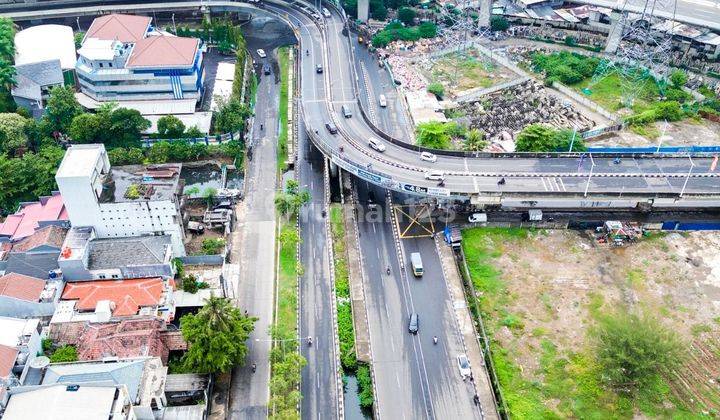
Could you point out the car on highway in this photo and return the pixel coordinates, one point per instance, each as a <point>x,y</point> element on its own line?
<point>417,265</point>
<point>371,200</point>
<point>434,176</point>
<point>376,144</point>
<point>346,111</point>
<point>428,157</point>
<point>414,323</point>
<point>464,366</point>
<point>318,69</point>
<point>331,128</point>
<point>382,100</point>
<point>326,12</point>
<point>261,53</point>
<point>478,218</point>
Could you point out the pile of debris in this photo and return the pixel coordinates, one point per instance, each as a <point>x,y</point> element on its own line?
<point>501,114</point>
<point>614,233</point>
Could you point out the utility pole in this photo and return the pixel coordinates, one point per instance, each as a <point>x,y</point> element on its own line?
<point>692,165</point>
<point>592,168</point>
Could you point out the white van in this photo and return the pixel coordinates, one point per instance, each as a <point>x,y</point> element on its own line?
<point>383,101</point>
<point>376,144</point>
<point>326,12</point>
<point>416,262</point>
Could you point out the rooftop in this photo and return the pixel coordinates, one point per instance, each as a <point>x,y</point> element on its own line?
<point>8,356</point>
<point>21,287</point>
<point>28,218</point>
<point>99,49</point>
<point>126,338</point>
<point>58,402</point>
<point>138,183</point>
<point>80,160</point>
<point>123,28</point>
<point>45,42</point>
<point>127,296</point>
<point>13,330</point>
<point>50,236</point>
<point>163,51</point>
<point>32,77</point>
<point>127,252</point>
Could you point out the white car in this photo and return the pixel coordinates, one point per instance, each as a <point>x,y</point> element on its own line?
<point>478,218</point>
<point>464,366</point>
<point>326,12</point>
<point>383,101</point>
<point>428,157</point>
<point>435,176</point>
<point>376,144</point>
<point>261,53</point>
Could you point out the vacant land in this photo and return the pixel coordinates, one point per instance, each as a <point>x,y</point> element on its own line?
<point>462,72</point>
<point>691,131</point>
<point>543,293</point>
<point>608,91</point>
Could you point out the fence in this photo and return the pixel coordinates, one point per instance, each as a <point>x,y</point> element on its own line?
<point>662,149</point>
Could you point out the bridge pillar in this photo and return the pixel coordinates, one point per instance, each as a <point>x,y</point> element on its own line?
<point>363,10</point>
<point>616,32</point>
<point>333,169</point>
<point>485,13</point>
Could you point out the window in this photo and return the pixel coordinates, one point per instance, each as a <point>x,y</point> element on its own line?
<point>101,65</point>
<point>115,276</point>
<point>101,276</point>
<point>109,64</point>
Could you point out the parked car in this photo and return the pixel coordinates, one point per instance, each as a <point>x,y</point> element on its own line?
<point>478,218</point>
<point>376,144</point>
<point>428,157</point>
<point>434,176</point>
<point>413,323</point>
<point>261,53</point>
<point>464,366</point>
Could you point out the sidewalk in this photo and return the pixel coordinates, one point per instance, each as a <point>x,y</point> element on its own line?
<point>483,387</point>
<point>357,293</point>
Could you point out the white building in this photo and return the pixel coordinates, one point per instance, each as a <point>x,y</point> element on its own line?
<point>19,345</point>
<point>124,59</point>
<point>123,201</point>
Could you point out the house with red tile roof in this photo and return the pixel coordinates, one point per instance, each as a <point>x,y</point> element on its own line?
<point>23,296</point>
<point>33,216</point>
<point>36,255</point>
<point>123,58</point>
<point>102,300</point>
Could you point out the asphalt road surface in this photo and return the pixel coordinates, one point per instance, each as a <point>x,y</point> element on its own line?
<point>415,378</point>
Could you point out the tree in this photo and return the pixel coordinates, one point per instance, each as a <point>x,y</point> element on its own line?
<point>678,78</point>
<point>378,10</point>
<point>126,127</point>
<point>7,53</point>
<point>193,133</point>
<point>79,36</point>
<point>213,246</point>
<point>475,140</point>
<point>499,23</point>
<point>170,127</point>
<point>12,132</point>
<point>231,116</point>
<point>635,351</point>
<point>209,194</point>
<point>436,89</point>
<point>86,128</point>
<point>216,337</point>
<point>427,30</point>
<point>543,138</point>
<point>64,354</point>
<point>189,284</point>
<point>61,108</point>
<point>407,16</point>
<point>289,236</point>
<point>284,384</point>
<point>433,134</point>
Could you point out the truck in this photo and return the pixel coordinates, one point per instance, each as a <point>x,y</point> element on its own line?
<point>416,263</point>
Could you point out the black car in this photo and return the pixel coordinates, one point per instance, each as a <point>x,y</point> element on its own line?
<point>318,69</point>
<point>266,69</point>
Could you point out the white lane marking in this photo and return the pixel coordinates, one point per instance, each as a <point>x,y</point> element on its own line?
<point>562,184</point>
<point>555,180</point>
<point>543,182</point>
<point>467,168</point>
<point>475,184</point>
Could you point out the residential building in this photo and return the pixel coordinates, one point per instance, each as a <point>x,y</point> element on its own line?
<point>19,345</point>
<point>124,338</point>
<point>49,210</point>
<point>23,296</point>
<point>36,255</point>
<point>124,58</point>
<point>123,201</point>
<point>70,402</point>
<point>44,58</point>
<point>103,300</point>
<point>84,257</point>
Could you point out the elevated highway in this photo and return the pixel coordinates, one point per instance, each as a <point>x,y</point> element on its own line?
<point>548,180</point>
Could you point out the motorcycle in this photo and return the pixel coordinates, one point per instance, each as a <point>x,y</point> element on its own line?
<point>435,339</point>
<point>309,341</point>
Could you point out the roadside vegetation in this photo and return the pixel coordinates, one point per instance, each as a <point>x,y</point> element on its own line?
<point>621,361</point>
<point>396,31</point>
<point>283,136</point>
<point>449,136</point>
<point>346,331</point>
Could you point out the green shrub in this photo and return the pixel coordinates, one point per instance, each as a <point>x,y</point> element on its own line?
<point>189,284</point>
<point>565,66</point>
<point>499,23</point>
<point>436,89</point>
<point>64,354</point>
<point>364,380</point>
<point>213,246</point>
<point>346,335</point>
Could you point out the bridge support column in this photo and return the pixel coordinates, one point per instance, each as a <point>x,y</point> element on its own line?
<point>333,169</point>
<point>485,13</point>
<point>363,10</point>
<point>616,32</point>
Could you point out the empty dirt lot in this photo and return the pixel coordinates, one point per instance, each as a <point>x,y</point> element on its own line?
<point>542,292</point>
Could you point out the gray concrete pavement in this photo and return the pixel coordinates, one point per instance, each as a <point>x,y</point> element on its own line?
<point>254,241</point>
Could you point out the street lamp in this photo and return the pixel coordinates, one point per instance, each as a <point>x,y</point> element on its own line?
<point>692,165</point>
<point>592,167</point>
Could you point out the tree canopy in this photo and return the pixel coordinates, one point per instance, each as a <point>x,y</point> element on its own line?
<point>289,202</point>
<point>433,134</point>
<point>61,108</point>
<point>12,132</point>
<point>170,127</point>
<point>231,116</point>
<point>407,16</point>
<point>543,138</point>
<point>216,337</point>
<point>110,125</point>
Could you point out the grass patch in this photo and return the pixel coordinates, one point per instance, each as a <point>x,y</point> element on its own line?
<point>286,317</point>
<point>284,61</point>
<point>607,92</point>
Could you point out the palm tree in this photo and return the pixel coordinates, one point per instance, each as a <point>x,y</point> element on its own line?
<point>475,140</point>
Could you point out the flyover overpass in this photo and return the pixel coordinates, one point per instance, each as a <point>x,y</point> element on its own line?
<point>549,180</point>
